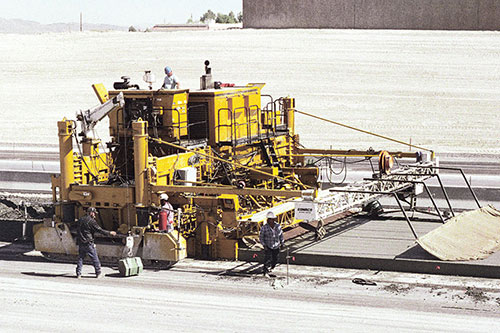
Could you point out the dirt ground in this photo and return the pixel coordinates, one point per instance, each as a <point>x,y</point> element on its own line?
<point>438,89</point>
<point>16,209</point>
<point>196,296</point>
<point>20,206</point>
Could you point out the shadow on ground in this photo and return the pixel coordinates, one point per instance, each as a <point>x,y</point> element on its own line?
<point>416,252</point>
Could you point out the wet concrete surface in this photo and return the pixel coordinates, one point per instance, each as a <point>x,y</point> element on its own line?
<point>386,243</point>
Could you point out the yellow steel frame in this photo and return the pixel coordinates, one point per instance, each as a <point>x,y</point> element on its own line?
<point>216,215</point>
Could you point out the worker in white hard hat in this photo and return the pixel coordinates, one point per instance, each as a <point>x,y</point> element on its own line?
<point>271,237</point>
<point>167,213</point>
<point>163,197</point>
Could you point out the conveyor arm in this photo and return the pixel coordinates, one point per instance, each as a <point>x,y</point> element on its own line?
<point>89,118</point>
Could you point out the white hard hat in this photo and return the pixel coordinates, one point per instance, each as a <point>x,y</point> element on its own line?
<point>271,215</point>
<point>164,196</point>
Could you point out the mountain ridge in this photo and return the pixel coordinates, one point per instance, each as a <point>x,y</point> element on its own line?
<point>20,26</point>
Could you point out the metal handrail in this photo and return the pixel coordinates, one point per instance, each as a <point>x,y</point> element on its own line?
<point>238,125</point>
<point>230,125</point>
<point>178,121</point>
<point>234,125</point>
<point>270,97</point>
<point>447,198</point>
<point>395,196</point>
<point>256,121</point>
<point>267,120</point>
<point>272,114</point>
<point>269,115</point>
<point>463,175</point>
<point>412,182</point>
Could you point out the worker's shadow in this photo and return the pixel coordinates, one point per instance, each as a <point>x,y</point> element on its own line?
<point>245,269</point>
<point>117,275</point>
<point>68,275</point>
<point>48,274</point>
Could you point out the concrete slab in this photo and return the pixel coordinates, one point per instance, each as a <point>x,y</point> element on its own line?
<point>385,244</point>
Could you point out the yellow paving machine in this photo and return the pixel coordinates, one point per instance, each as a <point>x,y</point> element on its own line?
<point>225,155</point>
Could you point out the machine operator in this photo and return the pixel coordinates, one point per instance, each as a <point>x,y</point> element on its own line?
<point>171,81</point>
<point>166,214</point>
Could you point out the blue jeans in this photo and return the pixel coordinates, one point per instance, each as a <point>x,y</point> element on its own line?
<point>270,258</point>
<point>83,251</point>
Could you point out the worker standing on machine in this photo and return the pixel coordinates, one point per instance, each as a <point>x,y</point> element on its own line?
<point>87,227</point>
<point>166,214</point>
<point>171,81</point>
<point>271,237</point>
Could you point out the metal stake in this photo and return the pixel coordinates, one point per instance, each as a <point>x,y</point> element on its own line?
<point>25,220</point>
<point>287,263</point>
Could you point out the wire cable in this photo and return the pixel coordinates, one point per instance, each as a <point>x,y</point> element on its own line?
<point>366,132</point>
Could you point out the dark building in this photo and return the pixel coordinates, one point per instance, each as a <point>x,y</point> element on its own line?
<point>373,14</point>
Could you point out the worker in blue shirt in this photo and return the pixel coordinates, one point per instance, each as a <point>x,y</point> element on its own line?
<point>271,237</point>
<point>171,81</point>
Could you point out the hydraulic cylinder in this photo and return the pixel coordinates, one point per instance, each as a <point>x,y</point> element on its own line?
<point>140,162</point>
<point>65,128</point>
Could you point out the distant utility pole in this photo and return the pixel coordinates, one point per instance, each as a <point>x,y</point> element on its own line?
<point>81,25</point>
